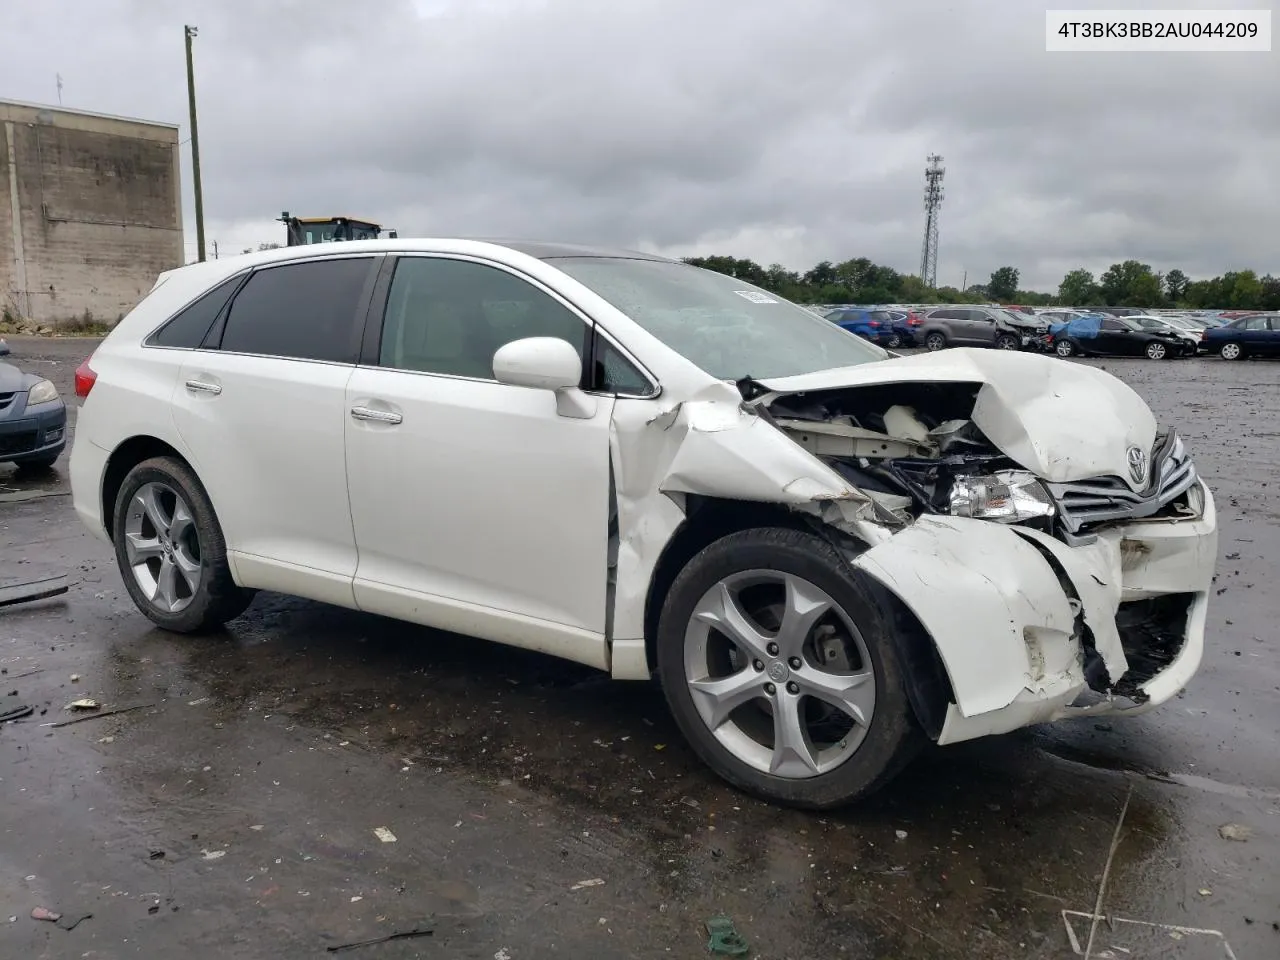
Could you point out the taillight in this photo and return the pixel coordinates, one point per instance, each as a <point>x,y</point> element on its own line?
<point>85,378</point>
<point>914,321</point>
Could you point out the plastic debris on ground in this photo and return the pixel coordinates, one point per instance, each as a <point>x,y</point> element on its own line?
<point>583,884</point>
<point>383,834</point>
<point>85,704</point>
<point>725,940</point>
<point>40,913</point>
<point>1235,831</point>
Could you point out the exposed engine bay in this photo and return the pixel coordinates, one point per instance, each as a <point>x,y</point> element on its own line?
<point>913,449</point>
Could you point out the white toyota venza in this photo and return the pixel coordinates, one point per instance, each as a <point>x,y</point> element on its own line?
<point>827,556</point>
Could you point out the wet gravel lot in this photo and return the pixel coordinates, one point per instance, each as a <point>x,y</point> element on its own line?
<point>234,814</point>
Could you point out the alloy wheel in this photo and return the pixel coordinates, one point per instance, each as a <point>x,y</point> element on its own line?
<point>163,547</point>
<point>1156,351</point>
<point>1064,348</point>
<point>779,674</point>
<point>1231,351</point>
<point>935,341</point>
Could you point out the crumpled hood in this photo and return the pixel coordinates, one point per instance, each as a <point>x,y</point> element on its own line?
<point>1061,420</point>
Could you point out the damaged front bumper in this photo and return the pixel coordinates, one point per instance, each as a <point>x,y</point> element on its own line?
<point>1031,629</point>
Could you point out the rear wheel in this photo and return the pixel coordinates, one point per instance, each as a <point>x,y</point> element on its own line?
<point>935,341</point>
<point>1156,350</point>
<point>1007,341</point>
<point>895,341</point>
<point>1231,351</point>
<point>1064,348</point>
<point>781,671</point>
<point>170,549</point>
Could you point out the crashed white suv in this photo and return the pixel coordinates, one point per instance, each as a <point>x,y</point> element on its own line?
<point>825,555</point>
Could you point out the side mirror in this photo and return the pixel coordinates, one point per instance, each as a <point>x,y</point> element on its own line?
<point>4,349</point>
<point>545,363</point>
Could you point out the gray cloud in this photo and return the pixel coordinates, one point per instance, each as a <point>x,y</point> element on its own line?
<point>784,131</point>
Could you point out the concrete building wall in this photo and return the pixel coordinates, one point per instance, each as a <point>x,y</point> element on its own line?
<point>90,212</point>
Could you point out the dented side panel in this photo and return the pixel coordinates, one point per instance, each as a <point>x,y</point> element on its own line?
<point>998,615</point>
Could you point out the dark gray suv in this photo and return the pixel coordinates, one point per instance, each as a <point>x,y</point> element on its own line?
<point>968,326</point>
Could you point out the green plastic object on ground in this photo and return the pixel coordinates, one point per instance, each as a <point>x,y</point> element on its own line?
<point>725,940</point>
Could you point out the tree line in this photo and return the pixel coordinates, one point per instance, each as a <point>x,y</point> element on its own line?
<point>1127,284</point>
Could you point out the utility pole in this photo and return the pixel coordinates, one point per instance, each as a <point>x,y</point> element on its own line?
<point>190,32</point>
<point>215,249</point>
<point>964,284</point>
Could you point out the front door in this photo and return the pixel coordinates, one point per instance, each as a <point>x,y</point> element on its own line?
<point>262,410</point>
<point>477,506</point>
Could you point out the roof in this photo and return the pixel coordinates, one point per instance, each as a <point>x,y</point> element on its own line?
<point>549,250</point>
<point>44,107</point>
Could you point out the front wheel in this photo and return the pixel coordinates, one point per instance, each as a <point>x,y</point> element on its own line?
<point>1231,351</point>
<point>895,341</point>
<point>1007,341</point>
<point>780,670</point>
<point>1064,348</point>
<point>935,342</point>
<point>1156,351</point>
<point>170,549</point>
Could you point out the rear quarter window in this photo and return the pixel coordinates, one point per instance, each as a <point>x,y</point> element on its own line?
<point>189,326</point>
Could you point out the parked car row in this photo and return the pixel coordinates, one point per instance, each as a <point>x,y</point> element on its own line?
<point>1115,332</point>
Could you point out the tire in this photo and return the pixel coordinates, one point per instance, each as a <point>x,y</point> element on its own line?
<point>1231,351</point>
<point>1156,350</point>
<point>177,548</point>
<point>935,341</point>
<point>1064,348</point>
<point>749,571</point>
<point>1007,341</point>
<point>895,341</point>
<point>38,463</point>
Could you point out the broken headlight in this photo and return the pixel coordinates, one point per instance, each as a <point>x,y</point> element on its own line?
<point>1007,496</point>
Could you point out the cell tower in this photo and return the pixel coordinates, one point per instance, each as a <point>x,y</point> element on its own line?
<point>933,175</point>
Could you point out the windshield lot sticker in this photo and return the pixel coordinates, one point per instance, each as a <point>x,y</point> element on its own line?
<point>755,296</point>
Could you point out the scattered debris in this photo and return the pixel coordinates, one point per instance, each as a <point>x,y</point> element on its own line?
<point>583,884</point>
<point>88,703</point>
<point>214,854</point>
<point>900,834</point>
<point>405,935</point>
<point>1205,892</point>
<point>30,590</point>
<point>67,923</point>
<point>75,678</point>
<point>356,899</point>
<point>385,835</point>
<point>155,855</point>
<point>725,940</point>
<point>502,954</point>
<point>16,713</point>
<point>104,713</point>
<point>256,826</point>
<point>40,913</point>
<point>1235,831</point>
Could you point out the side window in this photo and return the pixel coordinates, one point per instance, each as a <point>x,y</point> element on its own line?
<point>980,316</point>
<point>304,311</point>
<point>943,315</point>
<point>614,373</point>
<point>1275,323</point>
<point>189,327</point>
<point>451,316</point>
<point>1112,325</point>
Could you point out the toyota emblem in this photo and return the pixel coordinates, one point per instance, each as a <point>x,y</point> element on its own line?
<point>1137,464</point>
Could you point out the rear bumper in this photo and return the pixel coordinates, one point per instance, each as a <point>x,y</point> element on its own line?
<point>87,465</point>
<point>39,433</point>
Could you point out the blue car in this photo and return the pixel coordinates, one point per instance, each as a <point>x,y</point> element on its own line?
<point>1257,335</point>
<point>887,328</point>
<point>33,419</point>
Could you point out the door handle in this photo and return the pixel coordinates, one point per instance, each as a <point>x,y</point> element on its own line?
<point>200,386</point>
<point>375,416</point>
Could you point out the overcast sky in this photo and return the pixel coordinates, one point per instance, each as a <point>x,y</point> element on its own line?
<point>783,130</point>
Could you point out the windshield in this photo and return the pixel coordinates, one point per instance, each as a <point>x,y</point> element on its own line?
<point>725,326</point>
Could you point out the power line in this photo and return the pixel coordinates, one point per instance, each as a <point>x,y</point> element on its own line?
<point>933,175</point>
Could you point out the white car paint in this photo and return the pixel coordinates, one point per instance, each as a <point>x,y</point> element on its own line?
<point>512,543</point>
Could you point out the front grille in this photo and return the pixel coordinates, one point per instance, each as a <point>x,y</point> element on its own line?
<point>6,399</point>
<point>1086,503</point>
<point>13,443</point>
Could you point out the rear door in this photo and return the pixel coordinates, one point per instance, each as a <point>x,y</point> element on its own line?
<point>262,407</point>
<point>1272,346</point>
<point>980,327</point>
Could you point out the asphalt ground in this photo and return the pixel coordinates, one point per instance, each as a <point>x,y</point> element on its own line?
<point>541,810</point>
